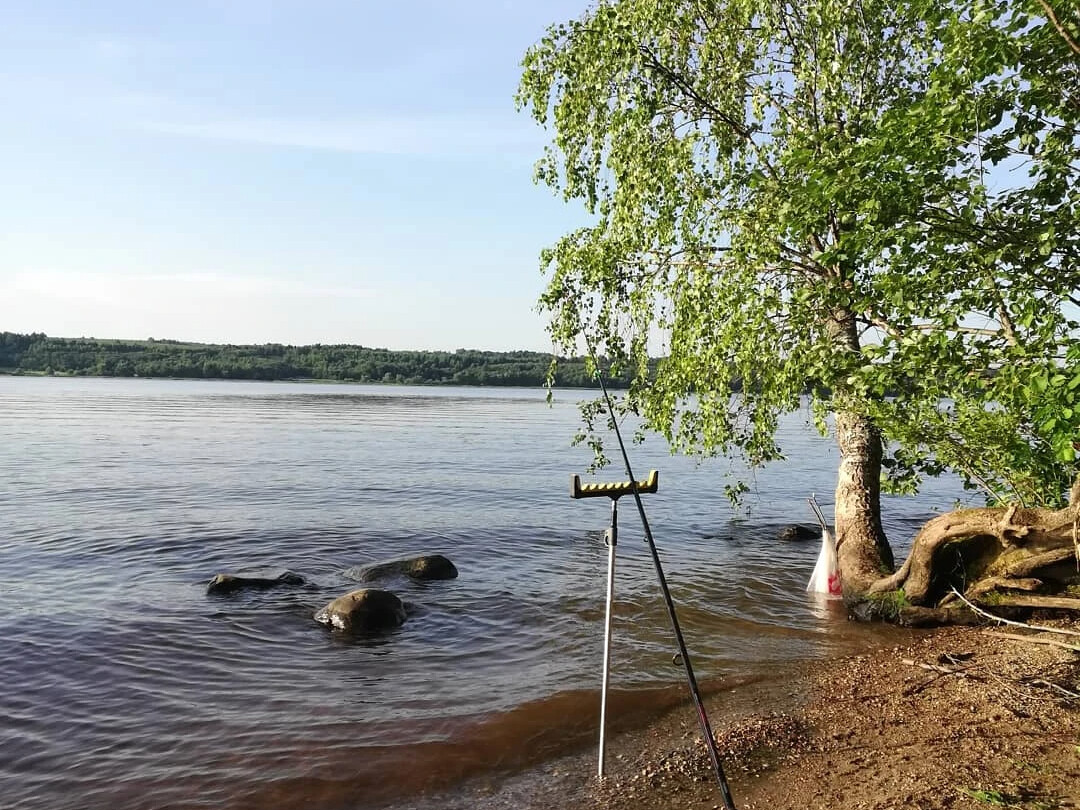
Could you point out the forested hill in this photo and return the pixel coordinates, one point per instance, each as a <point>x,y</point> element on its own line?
<point>40,354</point>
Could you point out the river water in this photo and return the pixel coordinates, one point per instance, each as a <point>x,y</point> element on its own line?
<point>123,685</point>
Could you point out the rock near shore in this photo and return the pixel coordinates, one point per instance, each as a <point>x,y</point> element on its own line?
<point>367,610</point>
<point>230,583</point>
<point>424,568</point>
<point>797,532</point>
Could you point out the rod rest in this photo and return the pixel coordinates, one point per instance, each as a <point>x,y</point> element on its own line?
<point>613,489</point>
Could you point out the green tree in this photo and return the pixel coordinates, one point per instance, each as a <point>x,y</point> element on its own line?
<point>802,197</point>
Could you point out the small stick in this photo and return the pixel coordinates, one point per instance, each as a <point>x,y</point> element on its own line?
<point>1076,540</point>
<point>960,672</point>
<point>1033,640</point>
<point>914,690</point>
<point>932,667</point>
<point>1066,692</point>
<point>991,616</point>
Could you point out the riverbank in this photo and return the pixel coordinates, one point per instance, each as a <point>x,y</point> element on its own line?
<point>172,359</point>
<point>956,718</point>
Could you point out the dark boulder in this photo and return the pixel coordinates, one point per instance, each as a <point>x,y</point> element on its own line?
<point>424,568</point>
<point>367,610</point>
<point>230,583</point>
<point>795,532</point>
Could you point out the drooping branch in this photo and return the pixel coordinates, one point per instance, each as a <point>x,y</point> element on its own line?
<point>1058,630</point>
<point>745,134</point>
<point>1061,29</point>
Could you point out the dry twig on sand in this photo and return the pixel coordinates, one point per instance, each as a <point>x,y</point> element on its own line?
<point>1033,640</point>
<point>992,617</point>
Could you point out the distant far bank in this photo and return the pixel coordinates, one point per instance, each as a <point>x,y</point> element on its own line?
<point>40,354</point>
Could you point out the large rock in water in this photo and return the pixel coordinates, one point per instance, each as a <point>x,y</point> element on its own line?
<point>230,583</point>
<point>423,568</point>
<point>367,610</point>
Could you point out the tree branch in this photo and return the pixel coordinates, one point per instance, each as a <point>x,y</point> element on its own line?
<point>880,323</point>
<point>884,326</point>
<point>688,89</point>
<point>1061,29</point>
<point>803,261</point>
<point>1007,327</point>
<point>975,608</point>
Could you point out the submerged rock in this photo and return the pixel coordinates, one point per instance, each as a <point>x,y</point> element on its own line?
<point>366,610</point>
<point>796,532</point>
<point>230,583</point>
<point>423,568</point>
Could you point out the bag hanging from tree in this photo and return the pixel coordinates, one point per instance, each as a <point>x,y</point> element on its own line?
<point>826,576</point>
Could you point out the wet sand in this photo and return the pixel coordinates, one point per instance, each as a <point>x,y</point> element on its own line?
<point>954,718</point>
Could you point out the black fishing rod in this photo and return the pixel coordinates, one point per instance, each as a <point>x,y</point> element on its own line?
<point>695,693</point>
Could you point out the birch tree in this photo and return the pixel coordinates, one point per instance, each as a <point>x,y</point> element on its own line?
<point>869,202</point>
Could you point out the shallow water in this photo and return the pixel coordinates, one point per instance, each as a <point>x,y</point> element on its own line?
<point>126,686</point>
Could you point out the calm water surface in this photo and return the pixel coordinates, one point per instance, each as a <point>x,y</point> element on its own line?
<point>123,685</point>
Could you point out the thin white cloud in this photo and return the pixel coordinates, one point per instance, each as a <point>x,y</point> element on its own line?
<point>100,103</point>
<point>212,307</point>
<point>148,288</point>
<point>121,49</point>
<point>376,135</point>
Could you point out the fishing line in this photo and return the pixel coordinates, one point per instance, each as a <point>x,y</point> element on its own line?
<point>695,693</point>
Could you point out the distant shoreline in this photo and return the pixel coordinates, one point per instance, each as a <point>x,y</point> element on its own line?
<point>295,380</point>
<point>41,355</point>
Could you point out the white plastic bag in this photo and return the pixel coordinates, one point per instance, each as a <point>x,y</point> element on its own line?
<point>826,576</point>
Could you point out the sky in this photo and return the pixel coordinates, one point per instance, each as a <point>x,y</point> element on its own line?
<point>290,171</point>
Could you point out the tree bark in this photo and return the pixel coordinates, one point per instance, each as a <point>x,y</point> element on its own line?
<point>980,551</point>
<point>1017,543</point>
<point>863,553</point>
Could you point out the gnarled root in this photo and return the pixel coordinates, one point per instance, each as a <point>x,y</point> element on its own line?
<point>1001,549</point>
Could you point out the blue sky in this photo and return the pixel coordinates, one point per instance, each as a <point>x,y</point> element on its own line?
<point>292,171</point>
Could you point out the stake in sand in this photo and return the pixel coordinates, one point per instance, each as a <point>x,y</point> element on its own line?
<point>611,539</point>
<point>633,488</point>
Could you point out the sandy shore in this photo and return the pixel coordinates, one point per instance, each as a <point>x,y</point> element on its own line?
<point>958,718</point>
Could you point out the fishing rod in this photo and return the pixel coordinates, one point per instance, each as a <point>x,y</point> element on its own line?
<point>635,490</point>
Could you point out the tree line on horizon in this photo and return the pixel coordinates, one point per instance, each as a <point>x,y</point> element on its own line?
<point>38,353</point>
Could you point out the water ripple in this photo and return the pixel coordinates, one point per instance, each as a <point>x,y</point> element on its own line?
<point>128,687</point>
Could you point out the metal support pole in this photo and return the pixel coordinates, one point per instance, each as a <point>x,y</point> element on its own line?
<point>706,729</point>
<point>613,490</point>
<point>611,538</point>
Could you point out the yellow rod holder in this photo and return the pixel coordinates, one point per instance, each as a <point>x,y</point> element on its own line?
<point>613,489</point>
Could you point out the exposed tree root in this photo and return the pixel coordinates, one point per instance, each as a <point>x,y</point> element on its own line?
<point>990,554</point>
<point>1025,568</point>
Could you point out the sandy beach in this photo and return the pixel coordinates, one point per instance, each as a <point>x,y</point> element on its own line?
<point>956,718</point>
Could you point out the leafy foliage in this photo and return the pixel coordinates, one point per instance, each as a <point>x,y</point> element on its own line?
<point>873,200</point>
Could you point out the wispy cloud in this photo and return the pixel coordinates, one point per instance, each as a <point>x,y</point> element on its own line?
<point>102,101</point>
<point>97,104</point>
<point>104,287</point>
<point>214,307</point>
<point>437,136</point>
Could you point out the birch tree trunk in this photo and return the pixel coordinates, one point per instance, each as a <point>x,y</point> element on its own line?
<point>863,551</point>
